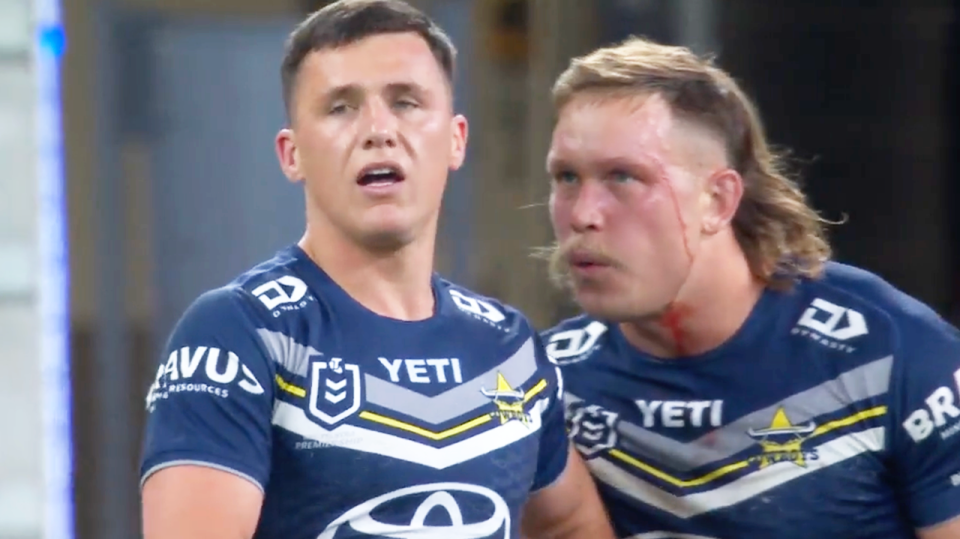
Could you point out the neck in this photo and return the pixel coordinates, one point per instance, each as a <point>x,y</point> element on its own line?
<point>712,306</point>
<point>392,283</point>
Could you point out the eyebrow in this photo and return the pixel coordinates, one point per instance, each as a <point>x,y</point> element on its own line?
<point>400,88</point>
<point>346,91</point>
<point>556,165</point>
<point>355,91</point>
<point>606,163</point>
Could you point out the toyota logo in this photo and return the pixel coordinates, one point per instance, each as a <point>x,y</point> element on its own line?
<point>359,518</point>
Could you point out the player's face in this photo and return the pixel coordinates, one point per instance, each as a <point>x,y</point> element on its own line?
<point>626,204</point>
<point>373,137</point>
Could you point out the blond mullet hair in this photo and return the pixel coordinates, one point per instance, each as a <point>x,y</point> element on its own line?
<point>782,237</point>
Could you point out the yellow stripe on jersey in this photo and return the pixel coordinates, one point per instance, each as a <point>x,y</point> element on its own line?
<point>453,431</point>
<point>290,388</point>
<point>300,392</point>
<point>534,390</point>
<point>727,469</point>
<point>849,420</point>
<point>408,427</point>
<point>396,423</point>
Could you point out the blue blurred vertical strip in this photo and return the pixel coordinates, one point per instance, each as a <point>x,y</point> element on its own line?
<point>48,50</point>
<point>454,17</point>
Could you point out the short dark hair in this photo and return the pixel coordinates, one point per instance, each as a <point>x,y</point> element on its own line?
<point>347,21</point>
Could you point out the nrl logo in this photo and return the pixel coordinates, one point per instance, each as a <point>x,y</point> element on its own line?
<point>334,390</point>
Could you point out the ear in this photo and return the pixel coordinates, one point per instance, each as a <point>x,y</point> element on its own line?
<point>458,143</point>
<point>722,194</point>
<point>289,156</point>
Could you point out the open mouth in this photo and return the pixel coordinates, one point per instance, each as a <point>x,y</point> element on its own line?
<point>588,266</point>
<point>586,262</point>
<point>380,175</point>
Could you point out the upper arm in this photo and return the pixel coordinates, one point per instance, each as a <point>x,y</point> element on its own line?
<point>564,502</point>
<point>199,502</point>
<point>568,508</point>
<point>925,407</point>
<point>552,457</point>
<point>946,530</point>
<point>207,438</point>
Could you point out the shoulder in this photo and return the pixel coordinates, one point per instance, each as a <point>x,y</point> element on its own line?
<point>924,347</point>
<point>483,313</point>
<point>273,287</point>
<point>575,339</point>
<point>852,303</point>
<point>252,299</point>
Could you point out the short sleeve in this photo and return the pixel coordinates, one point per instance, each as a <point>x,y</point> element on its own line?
<point>554,444</point>
<point>211,401</point>
<point>926,422</point>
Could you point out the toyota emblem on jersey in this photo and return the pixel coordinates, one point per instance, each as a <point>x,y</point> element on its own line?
<point>442,511</point>
<point>334,390</point>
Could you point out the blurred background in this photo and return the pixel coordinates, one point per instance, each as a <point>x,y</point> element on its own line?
<point>137,169</point>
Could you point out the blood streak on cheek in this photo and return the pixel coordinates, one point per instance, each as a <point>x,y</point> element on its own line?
<point>676,313</point>
<point>665,180</point>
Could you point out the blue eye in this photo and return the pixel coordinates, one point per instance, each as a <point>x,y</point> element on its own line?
<point>406,104</point>
<point>620,176</point>
<point>565,177</point>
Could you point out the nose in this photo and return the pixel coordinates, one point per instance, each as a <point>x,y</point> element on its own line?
<point>381,127</point>
<point>586,210</point>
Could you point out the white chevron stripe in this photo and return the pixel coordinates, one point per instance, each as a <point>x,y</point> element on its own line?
<point>335,397</point>
<point>295,420</point>
<point>336,386</point>
<point>746,487</point>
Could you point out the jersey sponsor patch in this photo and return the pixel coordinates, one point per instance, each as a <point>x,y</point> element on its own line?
<point>431,511</point>
<point>939,414</point>
<point>681,414</point>
<point>202,369</point>
<point>831,325</point>
<point>480,309</point>
<point>287,293</point>
<point>423,371</point>
<point>574,345</point>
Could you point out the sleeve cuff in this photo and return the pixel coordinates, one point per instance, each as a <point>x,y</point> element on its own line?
<point>938,509</point>
<point>198,461</point>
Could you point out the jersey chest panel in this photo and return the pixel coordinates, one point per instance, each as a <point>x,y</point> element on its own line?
<point>792,452</point>
<point>405,428</point>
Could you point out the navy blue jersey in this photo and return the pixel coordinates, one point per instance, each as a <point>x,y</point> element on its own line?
<point>834,412</point>
<point>357,425</point>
